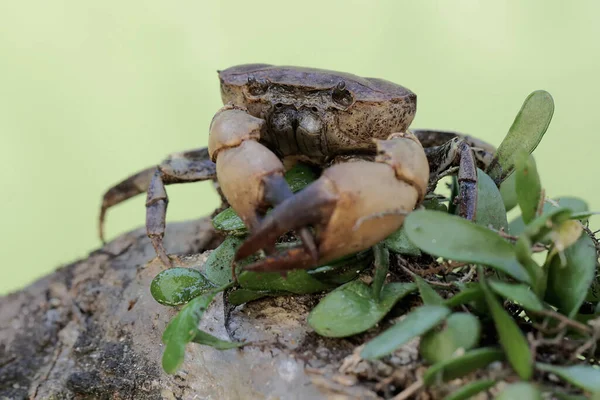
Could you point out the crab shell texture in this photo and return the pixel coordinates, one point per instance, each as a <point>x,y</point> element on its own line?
<point>380,171</point>
<point>337,120</point>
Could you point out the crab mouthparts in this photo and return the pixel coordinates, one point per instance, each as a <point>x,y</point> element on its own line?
<point>296,131</point>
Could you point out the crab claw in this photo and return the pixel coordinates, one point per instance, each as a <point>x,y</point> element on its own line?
<point>352,206</point>
<point>311,206</point>
<point>250,175</point>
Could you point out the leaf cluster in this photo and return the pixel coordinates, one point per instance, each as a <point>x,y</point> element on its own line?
<point>524,294</point>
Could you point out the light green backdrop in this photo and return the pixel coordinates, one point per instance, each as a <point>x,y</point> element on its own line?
<point>92,91</point>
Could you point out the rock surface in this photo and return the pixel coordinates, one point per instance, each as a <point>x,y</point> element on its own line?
<point>92,330</point>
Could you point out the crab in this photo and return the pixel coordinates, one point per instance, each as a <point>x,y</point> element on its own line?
<point>374,169</point>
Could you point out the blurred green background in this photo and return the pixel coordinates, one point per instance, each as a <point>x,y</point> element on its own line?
<point>93,91</point>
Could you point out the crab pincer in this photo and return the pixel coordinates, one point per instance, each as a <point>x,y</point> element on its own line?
<point>251,175</point>
<point>352,206</point>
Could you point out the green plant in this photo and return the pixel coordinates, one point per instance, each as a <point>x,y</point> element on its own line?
<point>489,281</point>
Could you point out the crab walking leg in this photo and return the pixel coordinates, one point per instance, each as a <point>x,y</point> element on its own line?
<point>457,152</point>
<point>188,166</point>
<point>353,205</point>
<point>179,170</point>
<point>250,175</point>
<point>467,183</point>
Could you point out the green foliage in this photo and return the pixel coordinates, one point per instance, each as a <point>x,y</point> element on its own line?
<point>508,191</point>
<point>354,308</point>
<point>584,377</point>
<point>528,187</point>
<point>242,296</point>
<point>491,210</point>
<point>183,329</point>
<point>176,286</point>
<point>510,336</point>
<point>471,389</point>
<point>228,222</point>
<point>462,365</point>
<point>428,294</point>
<point>296,282</point>
<point>518,293</point>
<point>454,238</point>
<point>399,243</point>
<point>418,322</point>
<point>569,282</point>
<point>576,205</point>
<point>524,135</point>
<point>456,309</point>
<point>521,391</point>
<point>460,333</point>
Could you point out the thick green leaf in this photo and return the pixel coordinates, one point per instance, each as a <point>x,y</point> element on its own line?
<point>227,221</point>
<point>529,188</point>
<point>508,191</point>
<point>242,296</point>
<point>434,203</point>
<point>576,205</point>
<point>414,324</point>
<point>428,294</point>
<point>461,332</point>
<point>299,176</point>
<point>524,135</point>
<point>565,396</point>
<point>209,340</point>
<point>343,270</point>
<point>520,391</point>
<point>510,336</point>
<point>465,296</point>
<point>454,188</point>
<point>398,243</point>
<point>517,293</point>
<point>490,206</point>
<point>584,216</point>
<point>569,284</point>
<point>460,366</point>
<point>296,281</point>
<point>183,328</point>
<point>217,268</point>
<point>455,238</point>
<point>525,258</point>
<point>176,286</point>
<point>583,376</point>
<point>471,389</point>
<point>352,308</point>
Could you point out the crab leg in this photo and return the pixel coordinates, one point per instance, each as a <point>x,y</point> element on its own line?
<point>352,206</point>
<point>250,175</point>
<point>457,152</point>
<point>189,166</point>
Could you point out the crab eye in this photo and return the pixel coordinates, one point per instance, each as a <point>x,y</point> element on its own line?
<point>342,96</point>
<point>256,87</point>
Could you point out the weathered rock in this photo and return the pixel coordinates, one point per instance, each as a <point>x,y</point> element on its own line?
<point>92,330</point>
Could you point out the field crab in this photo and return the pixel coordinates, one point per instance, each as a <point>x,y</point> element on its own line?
<point>374,170</point>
